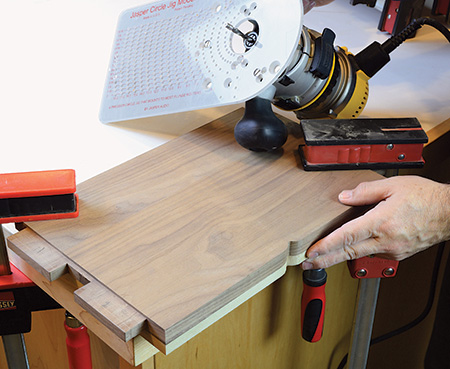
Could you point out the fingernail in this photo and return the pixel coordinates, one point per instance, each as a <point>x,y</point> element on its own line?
<point>345,195</point>
<point>312,255</point>
<point>306,266</point>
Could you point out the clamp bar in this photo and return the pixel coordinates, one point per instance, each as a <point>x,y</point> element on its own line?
<point>15,351</point>
<point>365,315</point>
<point>14,344</point>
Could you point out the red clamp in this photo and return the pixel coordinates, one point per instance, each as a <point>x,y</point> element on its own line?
<point>372,267</point>
<point>313,304</point>
<point>78,343</point>
<point>441,7</point>
<point>397,14</point>
<point>347,144</point>
<point>40,195</point>
<point>19,297</point>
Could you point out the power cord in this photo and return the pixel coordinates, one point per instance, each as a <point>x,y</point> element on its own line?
<point>421,317</point>
<point>375,56</point>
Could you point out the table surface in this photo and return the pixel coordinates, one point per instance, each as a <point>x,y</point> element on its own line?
<point>55,59</point>
<point>54,64</point>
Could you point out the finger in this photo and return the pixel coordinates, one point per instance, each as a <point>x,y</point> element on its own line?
<point>366,193</point>
<point>348,235</point>
<point>359,250</point>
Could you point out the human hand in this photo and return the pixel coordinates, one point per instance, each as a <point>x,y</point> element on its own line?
<point>413,213</point>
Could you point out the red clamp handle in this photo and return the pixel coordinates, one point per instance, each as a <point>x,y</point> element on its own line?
<point>78,344</point>
<point>313,304</point>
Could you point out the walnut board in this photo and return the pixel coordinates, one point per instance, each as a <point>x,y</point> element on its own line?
<point>173,237</point>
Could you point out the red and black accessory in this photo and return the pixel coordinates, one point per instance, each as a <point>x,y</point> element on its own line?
<point>26,197</point>
<point>397,15</point>
<point>39,195</point>
<point>441,7</point>
<point>19,297</point>
<point>313,304</point>
<point>362,144</point>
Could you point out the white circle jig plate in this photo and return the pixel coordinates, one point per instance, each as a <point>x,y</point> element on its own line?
<point>180,55</point>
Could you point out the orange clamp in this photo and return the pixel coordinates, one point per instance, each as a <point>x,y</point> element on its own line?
<point>42,195</point>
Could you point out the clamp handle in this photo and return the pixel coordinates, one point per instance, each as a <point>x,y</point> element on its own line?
<point>313,304</point>
<point>78,343</point>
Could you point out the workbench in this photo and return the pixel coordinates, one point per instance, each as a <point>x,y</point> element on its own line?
<point>187,247</point>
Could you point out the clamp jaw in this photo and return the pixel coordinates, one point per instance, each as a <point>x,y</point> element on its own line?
<point>372,267</point>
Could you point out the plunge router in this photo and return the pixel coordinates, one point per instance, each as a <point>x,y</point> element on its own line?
<point>228,52</point>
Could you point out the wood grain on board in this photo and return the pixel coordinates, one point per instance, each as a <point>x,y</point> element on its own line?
<point>180,232</point>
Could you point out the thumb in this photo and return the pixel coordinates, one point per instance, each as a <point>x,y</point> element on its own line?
<point>366,193</point>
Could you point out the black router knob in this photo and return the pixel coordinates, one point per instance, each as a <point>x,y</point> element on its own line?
<point>260,129</point>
